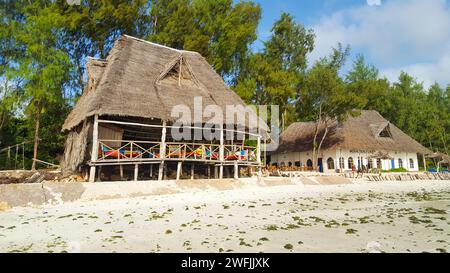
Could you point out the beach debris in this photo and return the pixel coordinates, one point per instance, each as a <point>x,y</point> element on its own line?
<point>373,247</point>
<point>74,247</point>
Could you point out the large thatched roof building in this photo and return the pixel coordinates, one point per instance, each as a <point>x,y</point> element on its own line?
<point>367,140</point>
<point>140,79</point>
<point>129,99</point>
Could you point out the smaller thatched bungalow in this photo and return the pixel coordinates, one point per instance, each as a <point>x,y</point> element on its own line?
<point>442,160</point>
<point>366,142</point>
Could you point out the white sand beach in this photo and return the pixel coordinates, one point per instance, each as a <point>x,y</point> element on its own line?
<point>402,216</point>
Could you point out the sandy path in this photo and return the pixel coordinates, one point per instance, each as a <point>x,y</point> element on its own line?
<point>400,216</point>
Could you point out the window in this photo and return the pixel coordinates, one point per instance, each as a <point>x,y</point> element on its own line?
<point>309,163</point>
<point>298,164</point>
<point>350,163</point>
<point>341,163</point>
<point>330,163</point>
<point>290,164</point>
<point>400,163</point>
<point>411,163</point>
<point>386,132</point>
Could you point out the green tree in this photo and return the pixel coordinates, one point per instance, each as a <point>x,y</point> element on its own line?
<point>406,97</point>
<point>90,29</point>
<point>275,75</point>
<point>221,31</point>
<point>435,120</point>
<point>324,98</point>
<point>363,80</point>
<point>43,67</point>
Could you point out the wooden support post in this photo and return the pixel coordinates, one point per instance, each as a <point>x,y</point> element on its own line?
<point>192,170</point>
<point>208,171</point>
<point>99,176</point>
<point>162,151</point>
<point>136,172</point>
<point>94,153</point>
<point>179,72</point>
<point>23,156</point>
<point>15,161</point>
<point>151,170</point>
<point>424,162</point>
<point>258,157</point>
<point>121,171</point>
<point>221,153</point>
<point>179,166</point>
<point>236,170</point>
<point>9,158</point>
<point>265,153</point>
<point>160,170</point>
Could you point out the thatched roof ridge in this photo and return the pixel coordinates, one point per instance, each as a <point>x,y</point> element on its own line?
<point>129,83</point>
<point>356,133</point>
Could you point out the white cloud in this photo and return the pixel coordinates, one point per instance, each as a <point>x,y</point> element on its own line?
<point>428,73</point>
<point>374,2</point>
<point>413,35</point>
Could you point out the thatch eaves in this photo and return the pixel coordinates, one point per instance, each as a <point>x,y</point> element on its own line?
<point>356,133</point>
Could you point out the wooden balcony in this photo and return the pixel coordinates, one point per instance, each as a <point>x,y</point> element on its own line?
<point>129,151</point>
<point>218,155</point>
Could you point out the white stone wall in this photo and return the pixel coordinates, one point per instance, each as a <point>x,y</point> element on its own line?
<point>346,154</point>
<point>303,157</point>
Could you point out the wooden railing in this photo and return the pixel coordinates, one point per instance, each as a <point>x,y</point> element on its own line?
<point>108,149</point>
<point>147,150</point>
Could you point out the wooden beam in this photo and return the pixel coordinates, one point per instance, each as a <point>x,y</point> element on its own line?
<point>94,153</point>
<point>192,171</point>
<point>258,157</point>
<point>136,172</point>
<point>179,166</point>
<point>162,151</point>
<point>424,162</point>
<point>161,126</point>
<point>221,153</point>
<point>99,175</point>
<point>151,170</point>
<point>236,170</point>
<point>179,72</point>
<point>23,156</point>
<point>121,171</point>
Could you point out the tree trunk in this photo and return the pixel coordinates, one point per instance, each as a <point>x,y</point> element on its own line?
<point>36,138</point>
<point>80,73</point>
<point>323,138</point>
<point>316,132</point>
<point>443,142</point>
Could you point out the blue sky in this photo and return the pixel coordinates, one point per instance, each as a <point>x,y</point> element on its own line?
<point>394,35</point>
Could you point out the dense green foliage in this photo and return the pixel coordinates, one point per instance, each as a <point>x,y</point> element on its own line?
<point>44,46</point>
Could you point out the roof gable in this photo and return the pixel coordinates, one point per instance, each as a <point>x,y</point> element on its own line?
<point>385,132</point>
<point>178,71</point>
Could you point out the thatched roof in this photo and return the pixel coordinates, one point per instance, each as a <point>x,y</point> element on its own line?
<point>440,157</point>
<point>140,79</point>
<point>364,132</point>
